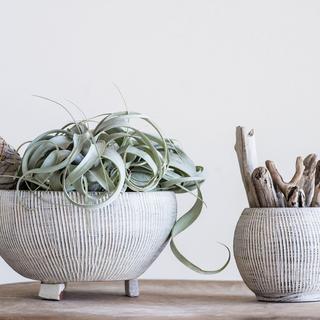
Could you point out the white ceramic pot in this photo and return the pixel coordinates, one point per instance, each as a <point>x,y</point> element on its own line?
<point>277,251</point>
<point>44,237</point>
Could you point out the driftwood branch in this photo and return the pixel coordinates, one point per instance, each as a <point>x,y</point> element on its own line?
<point>316,195</point>
<point>296,197</point>
<point>264,188</point>
<point>307,182</point>
<point>280,197</point>
<point>247,156</point>
<point>293,194</point>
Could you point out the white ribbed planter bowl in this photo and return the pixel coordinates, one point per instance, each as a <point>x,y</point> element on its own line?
<point>57,242</point>
<point>277,251</point>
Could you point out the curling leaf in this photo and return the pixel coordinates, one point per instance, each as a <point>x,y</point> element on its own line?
<point>112,157</point>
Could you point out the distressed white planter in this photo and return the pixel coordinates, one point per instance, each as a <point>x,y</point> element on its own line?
<point>44,237</point>
<point>277,251</point>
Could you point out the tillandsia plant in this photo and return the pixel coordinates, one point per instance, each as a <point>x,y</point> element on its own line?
<point>103,156</point>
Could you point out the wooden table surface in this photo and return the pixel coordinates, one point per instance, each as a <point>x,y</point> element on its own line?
<point>158,300</point>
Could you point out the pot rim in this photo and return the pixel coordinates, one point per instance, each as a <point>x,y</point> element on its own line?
<point>75,192</point>
<point>283,209</point>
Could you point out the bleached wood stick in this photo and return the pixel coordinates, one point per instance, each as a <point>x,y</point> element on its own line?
<point>307,182</point>
<point>293,194</point>
<point>296,197</point>
<point>245,148</point>
<point>280,197</point>
<point>317,174</point>
<point>316,195</point>
<point>264,188</point>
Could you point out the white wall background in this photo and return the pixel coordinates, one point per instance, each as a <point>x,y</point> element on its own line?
<point>197,67</point>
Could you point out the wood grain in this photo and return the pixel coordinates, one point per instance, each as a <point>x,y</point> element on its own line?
<point>201,300</point>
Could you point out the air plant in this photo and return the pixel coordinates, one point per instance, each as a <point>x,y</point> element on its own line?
<point>103,156</point>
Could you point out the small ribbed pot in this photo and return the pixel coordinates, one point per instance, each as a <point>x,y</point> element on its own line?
<point>44,237</point>
<point>277,251</point>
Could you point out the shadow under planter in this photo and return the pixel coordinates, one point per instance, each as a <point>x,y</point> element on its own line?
<point>277,251</point>
<point>44,237</point>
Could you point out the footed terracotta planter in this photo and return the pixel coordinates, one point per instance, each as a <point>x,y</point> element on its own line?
<point>44,237</point>
<point>277,251</point>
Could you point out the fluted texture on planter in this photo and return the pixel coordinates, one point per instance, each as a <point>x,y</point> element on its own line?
<point>277,251</point>
<point>44,237</point>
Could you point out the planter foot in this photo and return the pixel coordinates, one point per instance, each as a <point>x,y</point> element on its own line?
<point>132,288</point>
<point>51,291</point>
